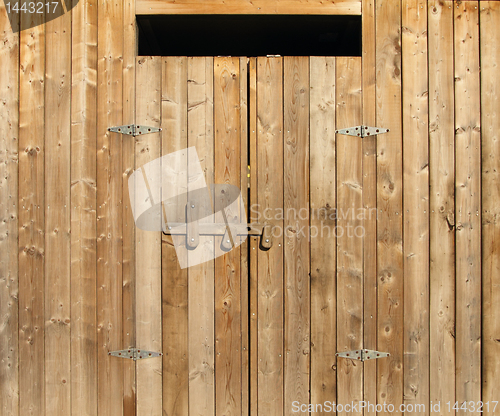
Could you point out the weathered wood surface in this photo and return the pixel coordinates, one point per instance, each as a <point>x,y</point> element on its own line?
<point>323,244</point>
<point>248,7</point>
<point>467,203</point>
<point>490,121</point>
<point>441,203</point>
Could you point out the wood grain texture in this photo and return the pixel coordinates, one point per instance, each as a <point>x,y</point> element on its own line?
<point>109,207</point>
<point>31,216</point>
<point>441,203</point>
<point>490,120</point>
<point>9,270</point>
<point>148,245</point>
<point>227,266</point>
<point>296,233</point>
<point>389,204</point>
<point>468,202</point>
<point>83,209</point>
<point>57,215</point>
<point>369,202</point>
<point>415,204</point>
<point>349,231</point>
<point>201,277</point>
<point>344,7</point>
<point>128,226</point>
<point>269,171</point>
<point>174,114</point>
<point>323,244</point>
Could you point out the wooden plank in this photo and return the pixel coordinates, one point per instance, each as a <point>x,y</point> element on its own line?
<point>175,280</point>
<point>468,203</point>
<point>128,227</point>
<point>415,205</point>
<point>369,203</point>
<point>269,171</point>
<point>148,245</point>
<point>389,204</point>
<point>254,241</point>
<point>296,197</point>
<point>31,215</point>
<point>490,120</point>
<point>227,266</point>
<point>9,229</point>
<point>339,7</point>
<point>201,277</point>
<point>323,245</point>
<point>349,232</point>
<point>83,209</point>
<point>109,207</point>
<point>441,203</point>
<point>57,215</point>
<point>244,258</point>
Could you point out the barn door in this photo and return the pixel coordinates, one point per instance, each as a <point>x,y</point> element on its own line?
<point>254,330</point>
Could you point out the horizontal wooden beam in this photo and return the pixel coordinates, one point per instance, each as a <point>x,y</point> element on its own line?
<point>337,7</point>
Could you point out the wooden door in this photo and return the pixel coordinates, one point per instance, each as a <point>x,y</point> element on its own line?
<point>256,331</point>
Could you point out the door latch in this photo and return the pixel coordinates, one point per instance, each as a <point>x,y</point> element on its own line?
<point>134,129</point>
<point>362,131</point>
<point>362,355</point>
<point>134,354</point>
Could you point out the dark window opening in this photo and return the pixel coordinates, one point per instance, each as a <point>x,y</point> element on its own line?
<point>249,35</point>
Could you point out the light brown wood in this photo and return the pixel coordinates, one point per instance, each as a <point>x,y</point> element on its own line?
<point>415,204</point>
<point>201,277</point>
<point>369,204</point>
<point>109,208</point>
<point>323,244</point>
<point>349,231</point>
<point>57,216</point>
<point>148,245</point>
<point>31,216</point>
<point>128,227</point>
<point>175,280</point>
<point>490,96</point>
<point>227,266</point>
<point>269,171</point>
<point>342,7</point>
<point>389,204</point>
<point>441,203</point>
<point>468,203</point>
<point>296,233</point>
<point>9,271</point>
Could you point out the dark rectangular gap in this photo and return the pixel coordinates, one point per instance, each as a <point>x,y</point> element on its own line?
<point>249,35</point>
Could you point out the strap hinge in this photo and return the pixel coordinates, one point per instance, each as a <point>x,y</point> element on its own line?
<point>135,354</point>
<point>362,355</point>
<point>362,131</point>
<point>134,129</point>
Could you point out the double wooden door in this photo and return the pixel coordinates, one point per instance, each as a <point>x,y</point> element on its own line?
<point>256,331</point>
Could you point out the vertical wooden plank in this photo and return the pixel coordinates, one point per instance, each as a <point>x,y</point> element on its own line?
<point>441,203</point>
<point>296,233</point>
<point>83,209</point>
<point>349,232</point>
<point>416,205</point>
<point>368,74</point>
<point>128,228</point>
<point>57,215</point>
<point>269,171</point>
<point>468,203</point>
<point>201,277</point>
<point>109,207</point>
<point>244,260</point>
<point>31,215</point>
<point>490,120</point>
<point>175,280</point>
<point>254,241</point>
<point>323,244</point>
<point>389,204</point>
<point>9,277</point>
<point>227,266</point>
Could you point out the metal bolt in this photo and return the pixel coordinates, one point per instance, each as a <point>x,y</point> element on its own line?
<point>192,239</point>
<point>267,240</point>
<point>192,206</point>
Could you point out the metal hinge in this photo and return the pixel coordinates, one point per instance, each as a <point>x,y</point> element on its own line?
<point>135,354</point>
<point>134,129</point>
<point>362,131</point>
<point>362,355</point>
